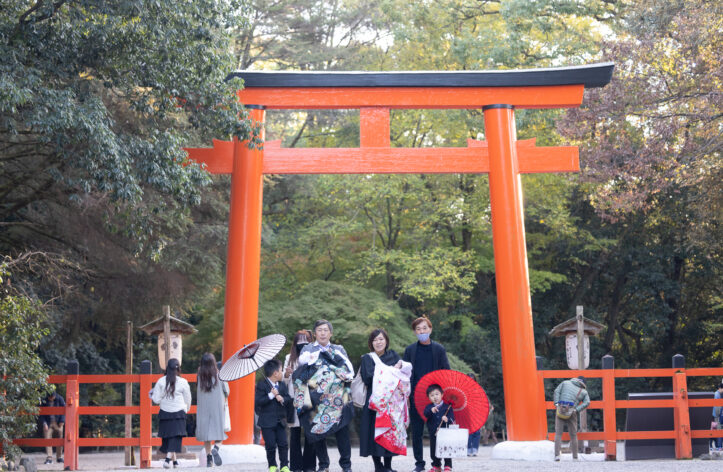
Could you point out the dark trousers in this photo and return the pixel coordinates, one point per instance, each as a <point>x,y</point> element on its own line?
<point>436,461</point>
<point>273,438</point>
<point>378,465</point>
<point>571,424</point>
<point>299,460</point>
<point>417,424</point>
<point>344,446</point>
<point>473,442</point>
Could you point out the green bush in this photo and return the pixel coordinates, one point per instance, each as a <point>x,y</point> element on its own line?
<point>23,378</point>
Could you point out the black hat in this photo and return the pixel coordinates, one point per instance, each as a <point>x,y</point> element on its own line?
<point>581,379</point>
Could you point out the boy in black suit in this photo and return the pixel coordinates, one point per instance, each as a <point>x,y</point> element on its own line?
<point>438,414</point>
<point>272,404</point>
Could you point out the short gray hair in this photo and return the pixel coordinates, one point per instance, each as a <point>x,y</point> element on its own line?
<point>323,322</point>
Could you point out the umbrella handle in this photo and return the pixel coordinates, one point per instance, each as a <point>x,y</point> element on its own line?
<point>440,423</point>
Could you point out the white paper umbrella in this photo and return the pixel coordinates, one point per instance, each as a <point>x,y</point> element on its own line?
<point>251,357</point>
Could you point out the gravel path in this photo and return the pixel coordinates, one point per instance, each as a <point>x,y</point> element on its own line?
<point>114,461</point>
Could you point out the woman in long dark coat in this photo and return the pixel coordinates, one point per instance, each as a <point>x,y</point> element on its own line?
<point>378,343</point>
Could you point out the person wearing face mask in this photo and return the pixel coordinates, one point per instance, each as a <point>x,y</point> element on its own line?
<point>299,460</point>
<point>425,356</point>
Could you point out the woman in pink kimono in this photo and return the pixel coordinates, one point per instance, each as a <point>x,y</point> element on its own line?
<point>385,415</point>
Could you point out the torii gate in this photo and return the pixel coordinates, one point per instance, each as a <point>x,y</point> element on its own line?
<point>498,94</point>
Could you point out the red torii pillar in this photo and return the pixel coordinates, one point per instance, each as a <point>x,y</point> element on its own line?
<point>498,93</point>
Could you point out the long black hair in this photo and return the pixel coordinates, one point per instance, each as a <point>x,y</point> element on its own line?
<point>172,370</point>
<point>294,354</point>
<point>207,372</point>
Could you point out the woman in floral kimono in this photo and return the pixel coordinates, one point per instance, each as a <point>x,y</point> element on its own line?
<point>385,415</point>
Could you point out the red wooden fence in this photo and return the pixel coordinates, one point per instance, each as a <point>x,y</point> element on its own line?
<point>73,410</point>
<point>680,403</point>
<point>609,404</point>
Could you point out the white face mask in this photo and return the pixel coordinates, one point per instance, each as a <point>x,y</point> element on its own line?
<point>423,337</point>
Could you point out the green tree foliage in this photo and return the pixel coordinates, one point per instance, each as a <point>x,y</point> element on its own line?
<point>22,373</point>
<point>96,102</point>
<point>651,145</point>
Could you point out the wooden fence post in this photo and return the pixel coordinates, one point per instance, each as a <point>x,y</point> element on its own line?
<point>72,396</point>
<point>681,414</point>
<point>129,454</point>
<point>541,395</point>
<point>609,411</point>
<point>146,416</point>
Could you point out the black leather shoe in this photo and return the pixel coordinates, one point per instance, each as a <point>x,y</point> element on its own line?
<point>216,456</point>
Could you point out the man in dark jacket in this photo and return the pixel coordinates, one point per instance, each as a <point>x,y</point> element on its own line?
<point>425,356</point>
<point>52,425</point>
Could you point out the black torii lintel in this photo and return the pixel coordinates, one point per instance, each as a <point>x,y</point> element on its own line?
<point>591,75</point>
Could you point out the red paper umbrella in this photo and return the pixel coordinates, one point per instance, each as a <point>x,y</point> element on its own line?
<point>467,398</point>
<point>251,357</point>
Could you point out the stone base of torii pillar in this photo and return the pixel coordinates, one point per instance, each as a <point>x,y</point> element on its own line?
<point>524,450</point>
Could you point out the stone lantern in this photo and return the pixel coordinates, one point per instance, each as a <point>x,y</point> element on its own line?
<point>170,333</point>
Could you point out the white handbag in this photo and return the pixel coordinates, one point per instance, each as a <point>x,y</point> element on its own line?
<point>452,442</point>
<point>226,418</point>
<point>359,388</point>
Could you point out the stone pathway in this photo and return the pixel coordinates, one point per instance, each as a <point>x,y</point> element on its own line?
<point>483,462</point>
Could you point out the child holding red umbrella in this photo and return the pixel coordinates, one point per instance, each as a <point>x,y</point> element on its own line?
<point>439,414</point>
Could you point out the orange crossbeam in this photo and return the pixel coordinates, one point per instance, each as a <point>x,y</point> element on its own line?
<point>709,433</point>
<point>625,404</point>
<point>385,160</point>
<point>289,98</point>
<point>627,373</point>
<point>580,436</point>
<point>39,442</point>
<point>594,405</point>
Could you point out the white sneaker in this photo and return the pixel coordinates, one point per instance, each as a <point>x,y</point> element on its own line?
<point>557,458</point>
